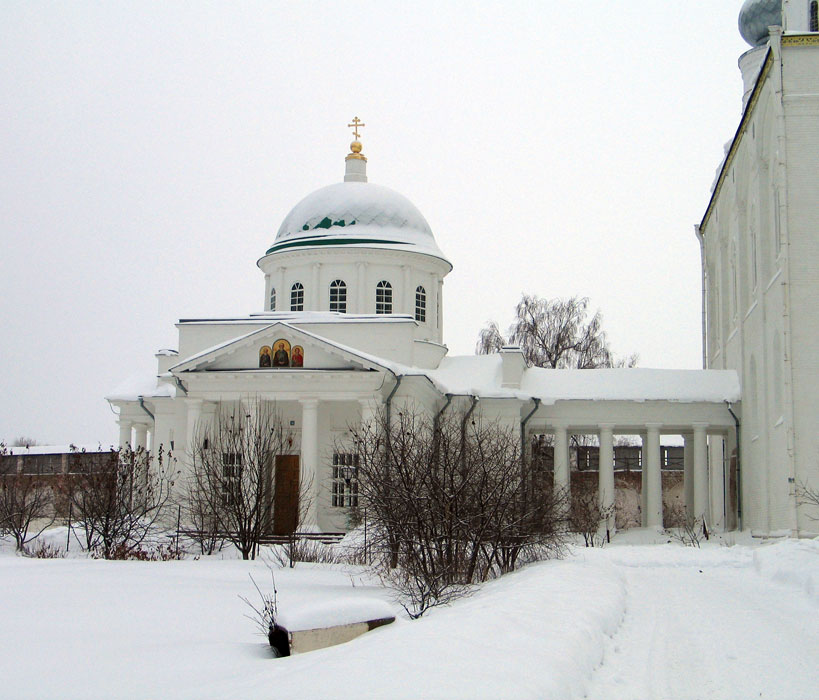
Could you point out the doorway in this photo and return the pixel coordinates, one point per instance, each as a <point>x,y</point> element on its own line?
<point>286,495</point>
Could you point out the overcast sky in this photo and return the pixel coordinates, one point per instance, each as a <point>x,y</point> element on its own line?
<point>149,152</point>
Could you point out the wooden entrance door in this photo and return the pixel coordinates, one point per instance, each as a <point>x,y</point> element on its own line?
<point>286,495</point>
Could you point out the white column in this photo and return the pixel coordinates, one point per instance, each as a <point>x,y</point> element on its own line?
<point>309,487</point>
<point>282,294</point>
<point>405,302</point>
<point>652,476</point>
<point>700,471</point>
<point>688,475</point>
<point>605,475</point>
<point>140,436</point>
<point>643,482</point>
<point>316,296</point>
<point>124,433</point>
<point>363,287</point>
<point>194,413</point>
<point>561,464</point>
<point>716,478</point>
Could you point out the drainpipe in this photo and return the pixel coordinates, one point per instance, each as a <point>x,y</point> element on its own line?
<point>180,385</point>
<point>440,413</point>
<point>701,239</point>
<point>144,408</point>
<point>388,402</point>
<point>739,471</point>
<point>463,428</point>
<point>523,428</point>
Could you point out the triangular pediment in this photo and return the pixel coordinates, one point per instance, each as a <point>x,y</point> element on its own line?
<point>278,347</point>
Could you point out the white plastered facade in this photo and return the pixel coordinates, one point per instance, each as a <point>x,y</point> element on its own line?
<point>761,256</point>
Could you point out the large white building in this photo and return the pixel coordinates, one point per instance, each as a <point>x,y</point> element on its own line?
<point>353,295</point>
<point>761,264</point>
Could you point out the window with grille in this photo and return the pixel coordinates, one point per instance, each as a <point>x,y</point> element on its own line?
<point>272,298</point>
<point>345,480</point>
<point>814,16</point>
<point>383,297</point>
<point>297,297</point>
<point>231,477</point>
<point>338,296</point>
<point>420,304</point>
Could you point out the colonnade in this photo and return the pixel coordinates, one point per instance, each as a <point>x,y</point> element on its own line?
<point>703,484</point>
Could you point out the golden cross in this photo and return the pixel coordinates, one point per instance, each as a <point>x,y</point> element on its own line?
<point>355,126</point>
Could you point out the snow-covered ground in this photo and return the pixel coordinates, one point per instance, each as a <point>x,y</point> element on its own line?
<point>628,621</point>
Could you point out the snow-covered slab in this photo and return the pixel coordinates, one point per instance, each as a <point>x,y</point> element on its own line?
<point>333,613</point>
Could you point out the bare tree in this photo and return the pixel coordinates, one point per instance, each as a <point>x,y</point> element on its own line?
<point>808,496</point>
<point>24,500</point>
<point>232,480</point>
<point>119,498</point>
<point>555,333</point>
<point>451,504</point>
<point>24,441</point>
<point>588,515</point>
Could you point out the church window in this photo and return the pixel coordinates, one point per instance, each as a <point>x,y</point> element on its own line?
<point>338,296</point>
<point>420,304</point>
<point>231,477</point>
<point>383,298</point>
<point>345,480</point>
<point>814,16</point>
<point>297,297</point>
<point>272,298</point>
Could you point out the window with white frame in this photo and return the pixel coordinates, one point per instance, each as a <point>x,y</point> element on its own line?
<point>383,297</point>
<point>272,298</point>
<point>231,477</point>
<point>420,304</point>
<point>338,296</point>
<point>297,297</point>
<point>345,480</point>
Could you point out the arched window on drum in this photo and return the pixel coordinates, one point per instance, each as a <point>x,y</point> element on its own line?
<point>272,298</point>
<point>338,296</point>
<point>297,297</point>
<point>420,304</point>
<point>383,297</point>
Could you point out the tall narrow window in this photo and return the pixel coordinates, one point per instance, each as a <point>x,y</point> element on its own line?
<point>345,480</point>
<point>297,297</point>
<point>420,304</point>
<point>272,298</point>
<point>383,297</point>
<point>814,16</point>
<point>338,296</point>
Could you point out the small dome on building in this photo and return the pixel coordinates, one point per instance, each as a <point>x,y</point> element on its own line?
<point>756,16</point>
<point>356,213</point>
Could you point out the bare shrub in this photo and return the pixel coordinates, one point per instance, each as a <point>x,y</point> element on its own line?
<point>451,504</point>
<point>807,496</point>
<point>688,531</point>
<point>588,516</point>
<point>302,549</point>
<point>44,550</point>
<point>120,497</point>
<point>230,493</point>
<point>24,500</point>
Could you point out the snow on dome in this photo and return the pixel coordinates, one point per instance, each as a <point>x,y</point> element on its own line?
<point>756,16</point>
<point>356,213</point>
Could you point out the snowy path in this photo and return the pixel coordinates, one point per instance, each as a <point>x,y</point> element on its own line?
<point>707,628</point>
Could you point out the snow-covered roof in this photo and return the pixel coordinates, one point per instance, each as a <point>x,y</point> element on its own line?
<point>356,213</point>
<point>142,385</point>
<point>56,449</point>
<point>303,317</point>
<point>481,375</point>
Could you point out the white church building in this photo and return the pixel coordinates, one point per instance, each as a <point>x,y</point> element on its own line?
<point>351,324</point>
